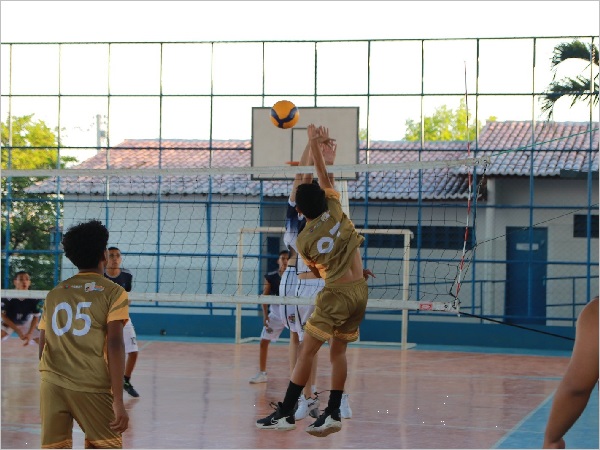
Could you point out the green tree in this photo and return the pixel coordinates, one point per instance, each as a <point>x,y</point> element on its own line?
<point>578,87</point>
<point>445,125</point>
<point>29,220</point>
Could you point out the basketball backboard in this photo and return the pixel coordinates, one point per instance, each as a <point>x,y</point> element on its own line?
<point>273,147</point>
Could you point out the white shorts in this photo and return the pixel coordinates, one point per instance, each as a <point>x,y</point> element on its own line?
<point>297,315</point>
<point>276,326</point>
<point>24,329</point>
<point>288,283</point>
<point>129,338</point>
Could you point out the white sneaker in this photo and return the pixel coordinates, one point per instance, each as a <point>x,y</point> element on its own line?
<point>302,410</point>
<point>345,410</point>
<point>260,377</point>
<point>307,406</point>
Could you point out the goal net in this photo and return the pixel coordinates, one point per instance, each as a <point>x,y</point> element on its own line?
<point>204,237</point>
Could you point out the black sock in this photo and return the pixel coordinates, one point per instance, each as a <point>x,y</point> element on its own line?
<point>335,400</point>
<point>291,397</point>
<point>126,379</point>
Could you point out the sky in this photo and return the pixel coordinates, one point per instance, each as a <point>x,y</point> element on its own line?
<point>203,21</point>
<point>117,21</point>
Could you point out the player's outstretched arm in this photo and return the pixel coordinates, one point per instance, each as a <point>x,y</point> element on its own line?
<point>575,388</point>
<point>302,178</point>
<point>316,136</point>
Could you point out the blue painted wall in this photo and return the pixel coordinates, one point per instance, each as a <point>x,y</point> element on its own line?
<point>419,332</point>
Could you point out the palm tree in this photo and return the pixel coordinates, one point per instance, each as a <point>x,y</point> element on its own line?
<point>578,88</point>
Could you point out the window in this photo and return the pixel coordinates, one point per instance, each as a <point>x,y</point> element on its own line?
<point>580,226</point>
<point>432,237</point>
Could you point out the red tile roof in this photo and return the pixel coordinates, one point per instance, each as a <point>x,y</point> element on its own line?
<point>557,146</point>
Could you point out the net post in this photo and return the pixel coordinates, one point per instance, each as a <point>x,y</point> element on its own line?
<point>405,286</point>
<point>238,306</point>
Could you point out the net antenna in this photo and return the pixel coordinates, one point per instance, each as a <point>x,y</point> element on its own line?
<point>461,265</point>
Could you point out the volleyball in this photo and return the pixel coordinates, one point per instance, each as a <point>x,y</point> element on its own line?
<point>284,114</point>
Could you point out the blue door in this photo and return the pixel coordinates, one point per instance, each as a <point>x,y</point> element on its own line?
<point>526,265</point>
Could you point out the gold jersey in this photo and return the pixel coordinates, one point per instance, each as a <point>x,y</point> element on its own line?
<point>329,241</point>
<point>75,317</point>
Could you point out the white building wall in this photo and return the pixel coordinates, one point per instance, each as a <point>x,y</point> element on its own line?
<point>181,237</point>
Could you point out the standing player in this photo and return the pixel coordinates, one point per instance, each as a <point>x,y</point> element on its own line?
<point>272,320</point>
<point>82,356</point>
<point>21,315</point>
<point>329,245</point>
<point>124,278</point>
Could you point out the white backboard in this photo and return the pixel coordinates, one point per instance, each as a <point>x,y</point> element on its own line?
<point>273,147</point>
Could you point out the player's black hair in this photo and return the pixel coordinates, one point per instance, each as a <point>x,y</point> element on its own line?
<point>114,248</point>
<point>310,200</point>
<point>21,272</point>
<point>85,244</point>
<point>287,252</point>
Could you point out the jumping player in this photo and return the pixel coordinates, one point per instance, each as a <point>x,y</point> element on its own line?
<point>329,245</point>
<point>299,281</point>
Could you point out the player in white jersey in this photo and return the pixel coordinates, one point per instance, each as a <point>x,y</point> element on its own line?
<point>299,281</point>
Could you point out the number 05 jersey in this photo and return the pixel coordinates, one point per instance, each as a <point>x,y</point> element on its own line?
<point>328,242</point>
<point>75,317</point>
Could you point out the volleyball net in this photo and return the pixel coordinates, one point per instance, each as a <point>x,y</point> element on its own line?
<point>205,237</point>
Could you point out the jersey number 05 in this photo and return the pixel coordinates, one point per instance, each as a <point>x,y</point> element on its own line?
<point>87,321</point>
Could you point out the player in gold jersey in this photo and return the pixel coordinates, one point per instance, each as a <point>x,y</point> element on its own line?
<point>82,355</point>
<point>329,245</point>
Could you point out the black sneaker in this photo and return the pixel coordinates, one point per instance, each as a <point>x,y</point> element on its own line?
<point>130,389</point>
<point>277,420</point>
<point>327,423</point>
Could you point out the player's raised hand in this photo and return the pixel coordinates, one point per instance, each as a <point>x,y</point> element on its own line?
<point>329,152</point>
<point>312,131</point>
<point>324,136</point>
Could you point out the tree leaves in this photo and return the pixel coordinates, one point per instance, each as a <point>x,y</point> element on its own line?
<point>578,88</point>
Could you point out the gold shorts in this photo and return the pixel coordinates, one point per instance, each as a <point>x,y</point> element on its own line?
<point>92,411</point>
<point>339,309</point>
